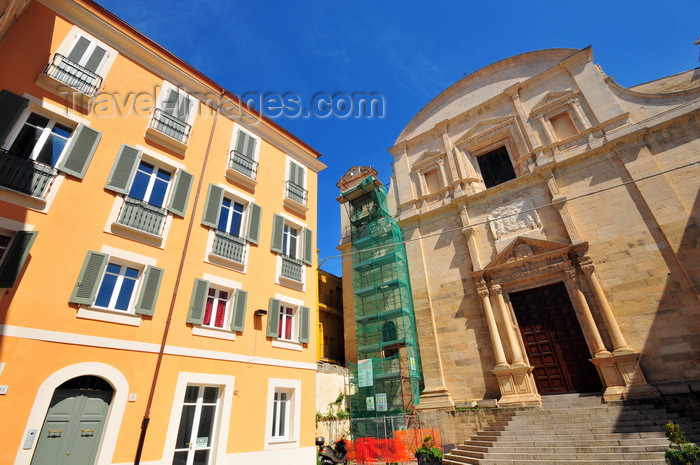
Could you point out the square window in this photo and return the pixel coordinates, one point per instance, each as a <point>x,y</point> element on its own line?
<point>150,184</point>
<point>118,286</point>
<point>496,167</point>
<point>173,117</point>
<point>244,154</point>
<point>220,306</point>
<point>231,217</point>
<point>41,139</point>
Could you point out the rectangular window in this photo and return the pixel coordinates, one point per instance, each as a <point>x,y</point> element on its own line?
<point>41,139</point>
<point>286,327</point>
<point>231,217</point>
<point>243,156</point>
<point>4,243</point>
<point>432,181</point>
<point>216,309</point>
<point>563,125</point>
<point>280,414</point>
<point>496,167</point>
<point>295,189</point>
<point>150,184</point>
<point>172,119</point>
<point>118,286</point>
<point>195,435</point>
<point>290,240</point>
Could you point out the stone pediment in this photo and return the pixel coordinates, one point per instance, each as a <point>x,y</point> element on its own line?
<point>551,99</point>
<point>428,158</point>
<point>525,248</point>
<point>484,127</point>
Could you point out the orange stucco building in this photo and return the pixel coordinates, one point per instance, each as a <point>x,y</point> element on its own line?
<point>157,256</point>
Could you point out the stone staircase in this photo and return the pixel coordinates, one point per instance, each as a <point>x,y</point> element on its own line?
<point>574,429</point>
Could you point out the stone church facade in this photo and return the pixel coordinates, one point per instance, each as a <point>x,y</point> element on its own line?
<point>551,224</point>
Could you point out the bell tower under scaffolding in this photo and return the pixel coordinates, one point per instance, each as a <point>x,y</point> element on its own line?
<point>385,383</point>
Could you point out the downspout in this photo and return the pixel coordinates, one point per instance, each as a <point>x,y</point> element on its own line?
<point>147,414</point>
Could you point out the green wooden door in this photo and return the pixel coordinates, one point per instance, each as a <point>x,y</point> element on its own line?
<point>73,427</point>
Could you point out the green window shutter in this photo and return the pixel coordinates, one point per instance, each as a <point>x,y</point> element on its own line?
<point>149,290</point>
<point>212,209</point>
<point>181,193</point>
<point>241,142</point>
<point>80,150</point>
<point>254,216</point>
<point>78,50</point>
<point>299,180</point>
<point>250,148</point>
<point>123,169</point>
<point>273,318</point>
<point>93,63</point>
<point>15,257</point>
<point>292,172</point>
<point>308,246</point>
<point>238,317</point>
<point>277,233</point>
<point>89,278</point>
<point>304,324</point>
<point>11,108</point>
<point>198,301</point>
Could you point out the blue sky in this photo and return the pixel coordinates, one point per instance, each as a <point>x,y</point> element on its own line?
<point>407,51</point>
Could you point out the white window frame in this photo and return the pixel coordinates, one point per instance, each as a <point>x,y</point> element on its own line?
<point>226,385</point>
<point>209,257</point>
<point>45,133</point>
<point>300,227</point>
<point>127,317</point>
<point>288,201</point>
<point>288,317</point>
<point>287,236</point>
<point>225,332</point>
<point>152,180</point>
<point>53,112</point>
<point>161,137</point>
<point>124,265</point>
<point>72,38</point>
<point>293,388</point>
<point>293,343</point>
<point>114,227</point>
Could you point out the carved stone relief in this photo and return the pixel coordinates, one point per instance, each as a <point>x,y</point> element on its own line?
<point>513,218</point>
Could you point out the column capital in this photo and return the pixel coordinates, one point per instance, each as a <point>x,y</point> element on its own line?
<point>586,264</point>
<point>496,289</point>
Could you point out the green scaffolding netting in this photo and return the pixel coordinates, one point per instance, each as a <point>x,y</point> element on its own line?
<point>385,384</point>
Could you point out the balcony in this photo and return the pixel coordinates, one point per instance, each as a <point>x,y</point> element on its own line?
<point>242,169</point>
<point>24,175</point>
<point>292,268</point>
<point>169,130</point>
<point>73,75</point>
<point>228,247</point>
<point>143,216</point>
<point>295,197</point>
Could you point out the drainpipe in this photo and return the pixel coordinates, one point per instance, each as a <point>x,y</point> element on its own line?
<point>147,414</point>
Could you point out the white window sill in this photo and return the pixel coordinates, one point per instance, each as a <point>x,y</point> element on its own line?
<point>240,178</point>
<point>296,206</point>
<point>138,235</point>
<point>291,345</point>
<point>110,316</point>
<point>226,263</point>
<point>165,140</point>
<point>290,283</point>
<point>281,444</point>
<point>217,333</point>
<point>74,97</point>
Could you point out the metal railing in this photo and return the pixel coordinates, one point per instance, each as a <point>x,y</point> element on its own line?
<point>292,268</point>
<point>243,164</point>
<point>335,301</point>
<point>228,246</point>
<point>25,175</point>
<point>73,75</point>
<point>141,215</point>
<point>170,125</point>
<point>295,192</point>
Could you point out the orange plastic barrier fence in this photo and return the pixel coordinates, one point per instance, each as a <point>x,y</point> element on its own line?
<point>400,449</point>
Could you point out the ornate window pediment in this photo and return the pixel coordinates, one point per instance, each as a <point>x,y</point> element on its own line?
<point>561,118</point>
<point>429,174</point>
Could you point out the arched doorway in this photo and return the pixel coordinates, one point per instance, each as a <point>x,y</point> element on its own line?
<point>72,429</point>
<point>553,340</point>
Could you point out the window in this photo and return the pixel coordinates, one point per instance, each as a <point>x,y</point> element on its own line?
<point>496,167</point>
<point>14,250</point>
<point>283,420</point>
<point>280,414</point>
<point>147,187</point>
<point>37,145</point>
<point>110,283</point>
<point>563,125</point>
<point>172,120</point>
<point>244,154</point>
<point>287,239</point>
<point>235,222</point>
<point>288,322</point>
<point>195,437</point>
<point>294,186</point>
<point>211,306</point>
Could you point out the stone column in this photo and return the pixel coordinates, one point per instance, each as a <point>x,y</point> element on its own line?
<point>518,360</point>
<point>493,328</point>
<point>620,345</point>
<point>591,328</point>
<point>547,132</point>
<point>578,112</point>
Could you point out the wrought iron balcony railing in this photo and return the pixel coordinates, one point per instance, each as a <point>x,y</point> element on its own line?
<point>73,75</point>
<point>228,246</point>
<point>292,268</point>
<point>295,192</point>
<point>25,175</point>
<point>170,125</point>
<point>141,215</point>
<point>243,164</point>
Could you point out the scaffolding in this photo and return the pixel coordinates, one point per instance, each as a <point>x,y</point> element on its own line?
<point>385,383</point>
